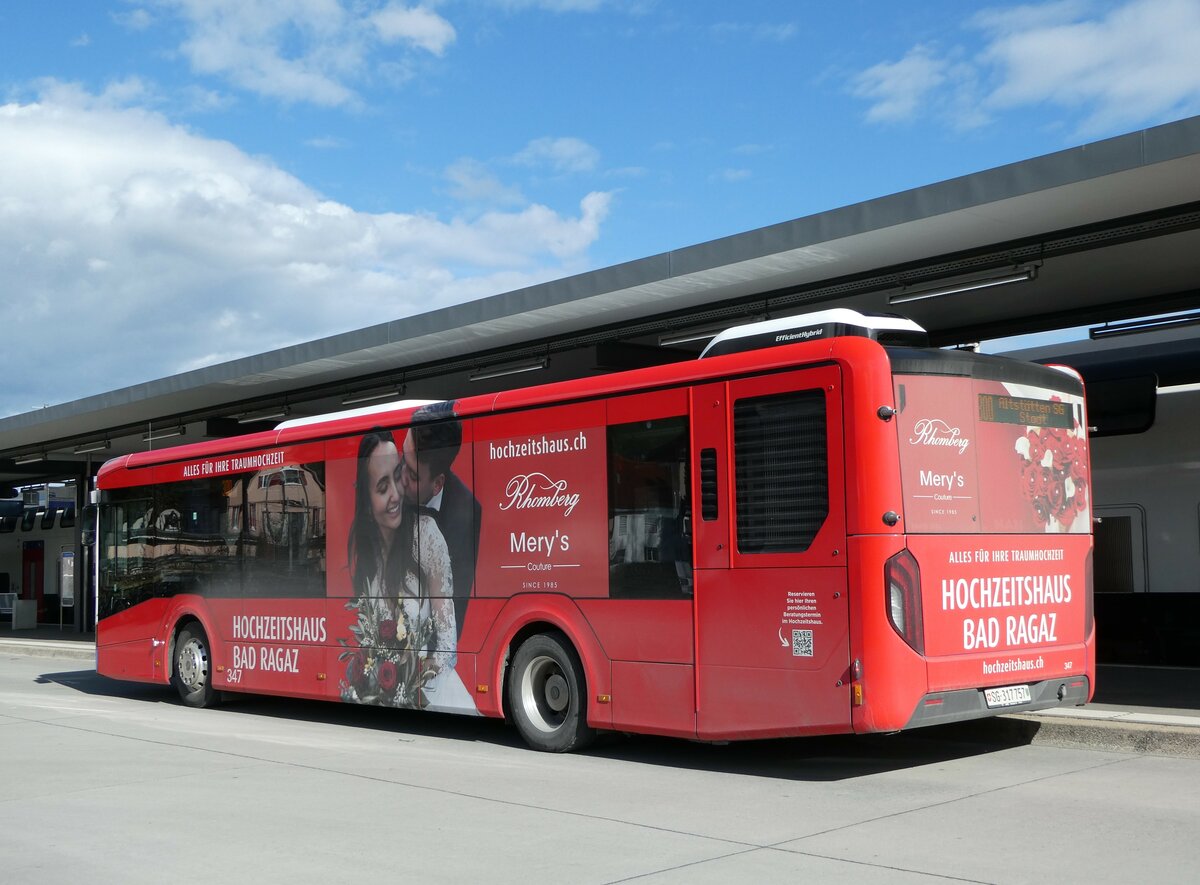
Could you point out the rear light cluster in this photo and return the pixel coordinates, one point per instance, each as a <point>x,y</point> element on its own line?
<point>902,577</point>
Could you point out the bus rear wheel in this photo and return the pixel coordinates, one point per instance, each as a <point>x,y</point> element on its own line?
<point>546,694</point>
<point>192,671</point>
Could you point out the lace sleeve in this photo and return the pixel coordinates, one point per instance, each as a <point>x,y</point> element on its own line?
<point>438,585</point>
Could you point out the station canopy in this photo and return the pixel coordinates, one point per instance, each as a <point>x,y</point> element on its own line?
<point>1100,236</point>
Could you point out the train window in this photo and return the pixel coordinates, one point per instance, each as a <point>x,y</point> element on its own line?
<point>1120,563</point>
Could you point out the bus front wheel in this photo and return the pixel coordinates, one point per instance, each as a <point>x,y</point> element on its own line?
<point>546,695</point>
<point>192,673</point>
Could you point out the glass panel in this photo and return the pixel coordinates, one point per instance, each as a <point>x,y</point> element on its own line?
<point>274,524</point>
<point>649,532</point>
<point>199,537</point>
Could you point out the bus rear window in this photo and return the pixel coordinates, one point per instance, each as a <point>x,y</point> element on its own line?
<point>989,456</point>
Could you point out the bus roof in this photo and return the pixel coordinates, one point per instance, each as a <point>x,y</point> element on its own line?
<point>848,350</point>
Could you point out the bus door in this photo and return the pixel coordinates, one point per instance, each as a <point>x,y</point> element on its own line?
<point>772,633</point>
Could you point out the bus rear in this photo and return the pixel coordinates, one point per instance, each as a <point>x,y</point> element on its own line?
<point>988,605</point>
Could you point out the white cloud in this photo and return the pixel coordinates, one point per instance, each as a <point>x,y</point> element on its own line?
<point>418,26</point>
<point>560,154</point>
<point>473,183</point>
<point>134,20</point>
<point>1109,66</point>
<point>142,249</point>
<point>1136,63</point>
<point>302,50</point>
<point>898,88</point>
<point>1014,19</point>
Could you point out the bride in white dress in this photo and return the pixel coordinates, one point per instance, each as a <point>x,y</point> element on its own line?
<point>406,637</point>
<point>428,595</point>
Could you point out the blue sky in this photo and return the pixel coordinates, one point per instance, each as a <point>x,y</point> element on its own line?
<point>188,181</point>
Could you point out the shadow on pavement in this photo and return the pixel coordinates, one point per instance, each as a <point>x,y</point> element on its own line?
<point>814,759</point>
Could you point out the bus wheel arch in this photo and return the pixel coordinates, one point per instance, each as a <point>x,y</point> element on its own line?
<point>545,690</point>
<point>192,667</point>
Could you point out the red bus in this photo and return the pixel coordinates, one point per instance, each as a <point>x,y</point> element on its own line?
<point>821,526</point>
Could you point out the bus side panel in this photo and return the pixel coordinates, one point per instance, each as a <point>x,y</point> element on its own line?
<point>278,646</point>
<point>148,657</point>
<point>132,661</point>
<point>125,642</point>
<point>654,698</point>
<point>650,644</point>
<point>761,676</point>
<point>544,509</point>
<point>657,630</point>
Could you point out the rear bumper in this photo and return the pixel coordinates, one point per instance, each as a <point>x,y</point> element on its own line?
<point>941,707</point>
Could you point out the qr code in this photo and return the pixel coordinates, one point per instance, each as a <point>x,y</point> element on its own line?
<point>802,643</point>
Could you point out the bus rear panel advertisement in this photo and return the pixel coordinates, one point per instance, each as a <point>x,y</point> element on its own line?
<point>996,499</point>
<point>804,539</point>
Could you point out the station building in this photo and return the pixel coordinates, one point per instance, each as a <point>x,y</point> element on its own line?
<point>1099,243</point>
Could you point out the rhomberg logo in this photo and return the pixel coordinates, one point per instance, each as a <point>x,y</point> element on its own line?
<point>936,432</point>
<point>536,491</point>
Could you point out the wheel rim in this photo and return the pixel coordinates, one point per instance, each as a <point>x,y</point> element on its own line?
<point>545,694</point>
<point>193,665</point>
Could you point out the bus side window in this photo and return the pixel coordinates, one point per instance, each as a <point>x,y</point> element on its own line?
<point>277,519</point>
<point>782,472</point>
<point>649,538</point>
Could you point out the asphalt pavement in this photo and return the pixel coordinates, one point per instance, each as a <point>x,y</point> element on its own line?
<point>1150,710</point>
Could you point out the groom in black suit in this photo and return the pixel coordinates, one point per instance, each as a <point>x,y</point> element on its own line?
<point>430,447</point>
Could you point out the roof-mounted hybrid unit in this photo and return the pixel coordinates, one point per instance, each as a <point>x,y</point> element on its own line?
<point>377,409</point>
<point>884,328</point>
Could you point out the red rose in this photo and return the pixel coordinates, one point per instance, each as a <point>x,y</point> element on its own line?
<point>1030,478</point>
<point>387,630</point>
<point>1057,492</point>
<point>1036,447</point>
<point>356,669</point>
<point>388,676</point>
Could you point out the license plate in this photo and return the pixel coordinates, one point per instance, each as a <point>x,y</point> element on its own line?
<point>1008,696</point>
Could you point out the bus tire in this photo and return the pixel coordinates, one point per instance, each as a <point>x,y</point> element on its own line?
<point>547,695</point>
<point>192,671</point>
